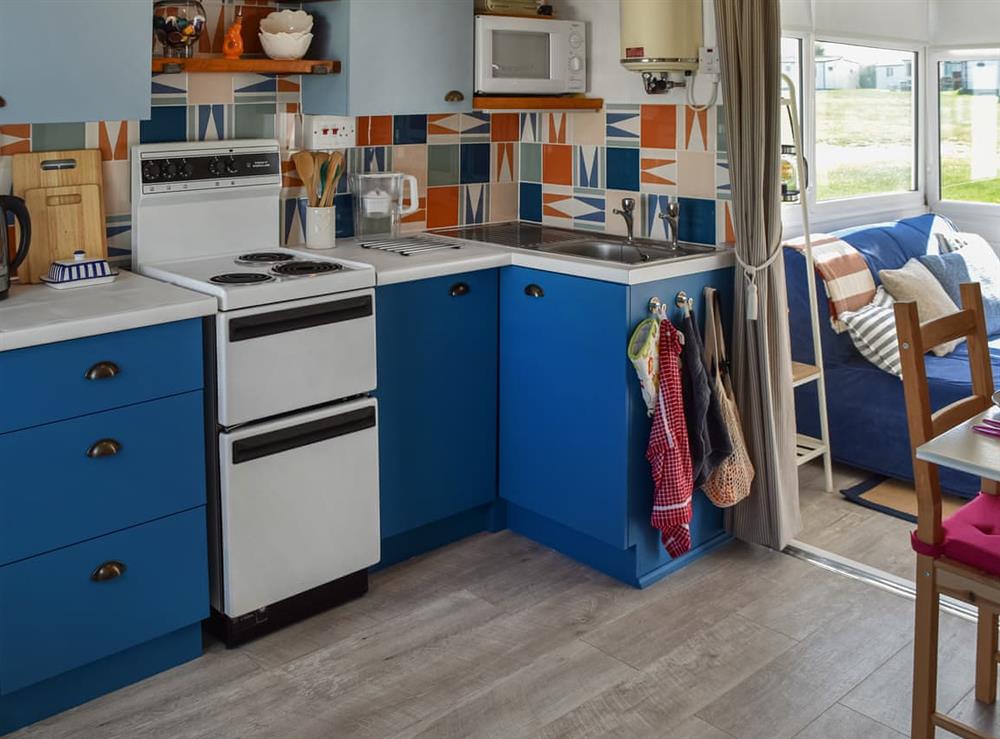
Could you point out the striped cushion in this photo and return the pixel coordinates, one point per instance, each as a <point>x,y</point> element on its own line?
<point>873,331</point>
<point>848,281</point>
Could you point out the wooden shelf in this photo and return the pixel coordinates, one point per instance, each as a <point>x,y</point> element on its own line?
<point>259,65</point>
<point>535,102</point>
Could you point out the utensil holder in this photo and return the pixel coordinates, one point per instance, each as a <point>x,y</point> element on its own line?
<point>321,228</point>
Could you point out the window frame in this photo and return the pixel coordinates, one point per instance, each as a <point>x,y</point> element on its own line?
<point>828,215</point>
<point>965,211</point>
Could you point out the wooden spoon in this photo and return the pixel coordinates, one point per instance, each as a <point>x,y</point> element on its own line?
<point>319,159</point>
<point>304,166</point>
<point>332,179</point>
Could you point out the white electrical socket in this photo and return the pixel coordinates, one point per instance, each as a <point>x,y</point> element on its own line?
<point>327,131</point>
<point>708,61</point>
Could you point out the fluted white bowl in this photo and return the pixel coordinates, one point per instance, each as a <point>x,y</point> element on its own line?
<point>285,45</point>
<point>287,21</point>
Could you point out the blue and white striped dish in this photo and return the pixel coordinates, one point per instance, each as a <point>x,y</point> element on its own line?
<point>79,272</point>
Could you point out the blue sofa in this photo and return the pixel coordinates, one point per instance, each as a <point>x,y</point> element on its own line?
<point>866,408</point>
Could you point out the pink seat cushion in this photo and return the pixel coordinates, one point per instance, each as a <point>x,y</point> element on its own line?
<point>971,535</point>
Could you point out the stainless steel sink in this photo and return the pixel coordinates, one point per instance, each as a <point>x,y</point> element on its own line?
<point>622,252</point>
<point>553,240</point>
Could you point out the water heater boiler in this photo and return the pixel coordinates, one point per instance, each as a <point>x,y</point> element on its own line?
<point>661,35</point>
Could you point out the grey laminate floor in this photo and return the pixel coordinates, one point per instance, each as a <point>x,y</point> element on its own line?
<point>496,636</point>
<point>832,523</point>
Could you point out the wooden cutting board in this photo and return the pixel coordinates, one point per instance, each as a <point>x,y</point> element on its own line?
<point>55,169</point>
<point>63,220</point>
<point>77,214</point>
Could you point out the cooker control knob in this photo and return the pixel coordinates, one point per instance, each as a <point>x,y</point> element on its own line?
<point>575,40</point>
<point>215,166</point>
<point>575,65</point>
<point>186,168</point>
<point>231,166</point>
<point>151,170</point>
<point>170,170</point>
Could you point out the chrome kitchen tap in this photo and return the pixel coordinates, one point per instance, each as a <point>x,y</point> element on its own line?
<point>626,212</point>
<point>672,216</point>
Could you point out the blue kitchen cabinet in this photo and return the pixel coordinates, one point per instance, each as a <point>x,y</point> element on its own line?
<point>68,61</point>
<point>397,57</point>
<point>103,538</point>
<point>437,392</point>
<point>573,424</point>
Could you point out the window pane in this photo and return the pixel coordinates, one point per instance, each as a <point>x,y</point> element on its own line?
<point>791,64</point>
<point>970,153</point>
<point>865,120</point>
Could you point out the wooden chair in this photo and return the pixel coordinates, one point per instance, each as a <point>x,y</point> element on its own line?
<point>939,546</point>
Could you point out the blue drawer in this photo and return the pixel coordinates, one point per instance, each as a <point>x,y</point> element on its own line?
<point>49,383</point>
<point>55,494</point>
<point>56,617</point>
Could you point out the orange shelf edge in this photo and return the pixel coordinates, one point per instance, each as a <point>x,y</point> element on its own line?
<point>259,65</point>
<point>534,102</point>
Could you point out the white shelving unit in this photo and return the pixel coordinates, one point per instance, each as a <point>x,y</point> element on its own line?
<point>809,447</point>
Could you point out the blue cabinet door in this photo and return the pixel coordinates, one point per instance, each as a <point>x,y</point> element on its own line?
<point>437,390</point>
<point>69,61</point>
<point>77,479</point>
<point>564,395</point>
<point>61,610</point>
<point>399,57</point>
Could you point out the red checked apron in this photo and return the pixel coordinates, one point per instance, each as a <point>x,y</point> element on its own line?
<point>668,452</point>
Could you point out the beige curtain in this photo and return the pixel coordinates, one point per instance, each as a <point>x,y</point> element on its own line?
<point>749,40</point>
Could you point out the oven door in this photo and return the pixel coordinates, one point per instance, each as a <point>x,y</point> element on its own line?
<point>299,502</point>
<point>274,359</point>
<point>521,55</point>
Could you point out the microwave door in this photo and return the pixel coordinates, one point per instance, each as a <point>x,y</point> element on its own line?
<point>520,61</point>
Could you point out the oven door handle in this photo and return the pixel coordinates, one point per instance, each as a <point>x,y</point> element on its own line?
<point>304,434</point>
<point>295,319</point>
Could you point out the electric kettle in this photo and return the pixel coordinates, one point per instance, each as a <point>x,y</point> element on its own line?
<point>20,211</point>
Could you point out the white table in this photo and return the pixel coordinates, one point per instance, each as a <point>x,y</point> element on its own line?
<point>961,448</point>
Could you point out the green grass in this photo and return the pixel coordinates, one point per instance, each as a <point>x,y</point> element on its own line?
<point>871,132</point>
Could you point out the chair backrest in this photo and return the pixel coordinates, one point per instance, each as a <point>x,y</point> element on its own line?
<point>915,339</point>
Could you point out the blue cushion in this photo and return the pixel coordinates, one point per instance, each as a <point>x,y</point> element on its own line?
<point>969,265</point>
<point>891,245</point>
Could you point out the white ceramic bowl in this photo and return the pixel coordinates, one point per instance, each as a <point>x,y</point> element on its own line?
<point>287,21</point>
<point>285,45</point>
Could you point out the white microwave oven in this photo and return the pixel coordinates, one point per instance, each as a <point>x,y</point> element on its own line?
<point>530,56</point>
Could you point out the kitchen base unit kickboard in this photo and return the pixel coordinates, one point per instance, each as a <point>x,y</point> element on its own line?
<point>133,568</point>
<point>567,464</point>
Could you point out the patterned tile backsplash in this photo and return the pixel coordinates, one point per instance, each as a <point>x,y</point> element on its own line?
<point>565,169</point>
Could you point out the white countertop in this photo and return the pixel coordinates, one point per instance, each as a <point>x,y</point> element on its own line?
<point>392,268</point>
<point>37,314</point>
<point>961,448</point>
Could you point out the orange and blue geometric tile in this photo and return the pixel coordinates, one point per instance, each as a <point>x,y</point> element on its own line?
<point>15,138</point>
<point>531,127</point>
<point>622,125</point>
<point>723,188</point>
<point>114,138</point>
<point>699,127</point>
<point>556,129</point>
<point>557,164</point>
<point>444,128</point>
<point>588,166</point>
<point>249,87</point>
<point>557,205</point>
<point>169,89</point>
<point>293,218</point>
<point>474,126</point>
<point>658,171</point>
<point>209,122</point>
<point>475,203</point>
<point>659,126</point>
<point>504,160</point>
<point>725,232</point>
